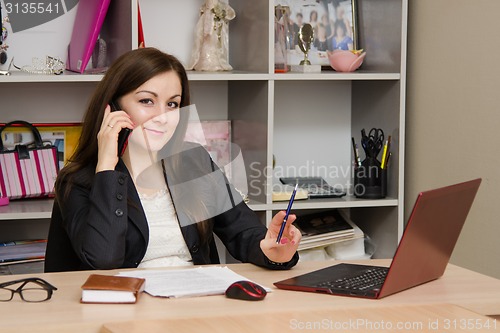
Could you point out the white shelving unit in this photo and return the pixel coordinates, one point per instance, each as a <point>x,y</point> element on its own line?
<point>302,120</point>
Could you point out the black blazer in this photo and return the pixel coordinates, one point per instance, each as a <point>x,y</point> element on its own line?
<point>102,225</point>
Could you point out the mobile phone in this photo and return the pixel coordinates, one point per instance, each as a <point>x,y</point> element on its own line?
<point>124,133</point>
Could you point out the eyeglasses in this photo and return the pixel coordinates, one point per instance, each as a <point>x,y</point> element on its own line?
<point>30,290</point>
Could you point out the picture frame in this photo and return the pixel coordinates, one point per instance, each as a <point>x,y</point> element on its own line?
<point>334,23</point>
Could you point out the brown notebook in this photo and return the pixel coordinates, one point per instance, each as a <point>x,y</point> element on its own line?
<point>111,289</point>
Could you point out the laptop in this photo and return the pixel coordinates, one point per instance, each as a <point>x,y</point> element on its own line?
<point>422,255</point>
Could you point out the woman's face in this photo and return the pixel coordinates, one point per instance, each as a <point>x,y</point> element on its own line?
<point>314,16</point>
<point>154,110</point>
<point>324,19</point>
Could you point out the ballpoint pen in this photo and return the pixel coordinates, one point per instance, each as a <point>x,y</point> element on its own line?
<point>290,203</point>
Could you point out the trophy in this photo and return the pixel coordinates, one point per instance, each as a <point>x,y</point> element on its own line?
<point>305,39</point>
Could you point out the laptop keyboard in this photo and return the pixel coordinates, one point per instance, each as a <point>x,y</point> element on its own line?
<point>370,279</point>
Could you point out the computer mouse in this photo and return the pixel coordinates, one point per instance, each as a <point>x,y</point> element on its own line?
<point>246,290</point>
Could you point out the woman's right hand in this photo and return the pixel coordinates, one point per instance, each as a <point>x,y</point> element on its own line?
<point>107,138</point>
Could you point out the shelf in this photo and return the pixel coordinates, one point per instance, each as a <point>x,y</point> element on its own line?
<point>23,77</point>
<point>344,202</point>
<point>227,76</point>
<point>42,208</point>
<point>17,76</point>
<point>27,209</point>
<point>332,75</point>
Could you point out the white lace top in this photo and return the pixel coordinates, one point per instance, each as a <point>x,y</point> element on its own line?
<point>166,245</point>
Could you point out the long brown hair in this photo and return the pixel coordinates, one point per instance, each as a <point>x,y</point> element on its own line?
<point>126,74</point>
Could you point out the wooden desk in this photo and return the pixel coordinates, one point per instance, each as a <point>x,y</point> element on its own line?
<point>430,318</point>
<point>63,313</point>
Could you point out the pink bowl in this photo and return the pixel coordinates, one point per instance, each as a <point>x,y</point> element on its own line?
<point>345,61</point>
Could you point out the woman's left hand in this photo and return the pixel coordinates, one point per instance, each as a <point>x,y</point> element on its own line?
<point>284,251</point>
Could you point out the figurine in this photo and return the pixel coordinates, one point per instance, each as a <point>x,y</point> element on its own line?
<point>210,51</point>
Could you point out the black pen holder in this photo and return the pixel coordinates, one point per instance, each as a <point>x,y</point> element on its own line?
<point>370,180</point>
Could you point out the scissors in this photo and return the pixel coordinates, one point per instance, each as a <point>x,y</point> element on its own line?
<point>373,142</point>
<point>376,135</point>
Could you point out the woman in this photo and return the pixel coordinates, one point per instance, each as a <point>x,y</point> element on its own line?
<point>341,41</point>
<point>161,202</point>
<point>320,42</point>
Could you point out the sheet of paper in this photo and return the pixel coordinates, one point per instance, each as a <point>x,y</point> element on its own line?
<point>199,281</point>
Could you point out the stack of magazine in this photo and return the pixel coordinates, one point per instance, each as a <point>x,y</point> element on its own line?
<point>16,252</point>
<point>326,228</point>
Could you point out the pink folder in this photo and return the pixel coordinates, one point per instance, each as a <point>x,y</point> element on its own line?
<point>88,22</point>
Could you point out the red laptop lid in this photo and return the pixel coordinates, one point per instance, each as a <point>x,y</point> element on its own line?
<point>430,236</point>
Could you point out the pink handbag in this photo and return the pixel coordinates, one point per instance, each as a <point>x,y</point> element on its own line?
<point>27,171</point>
